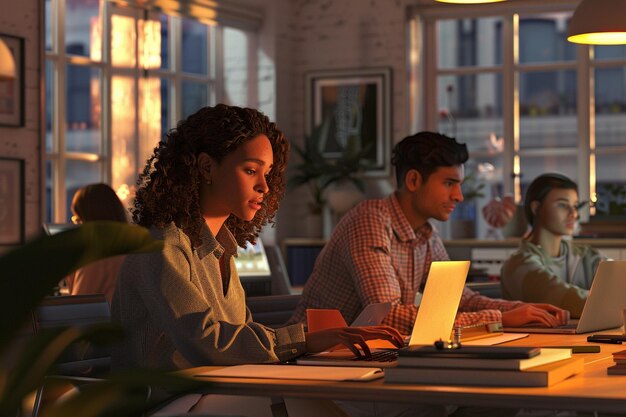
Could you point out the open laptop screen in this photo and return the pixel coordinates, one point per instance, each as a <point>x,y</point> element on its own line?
<point>252,261</point>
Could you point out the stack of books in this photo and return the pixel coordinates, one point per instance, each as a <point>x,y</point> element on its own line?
<point>620,364</point>
<point>484,366</point>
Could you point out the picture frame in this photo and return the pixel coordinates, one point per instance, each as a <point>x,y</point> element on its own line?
<point>11,201</point>
<point>12,91</point>
<point>348,105</point>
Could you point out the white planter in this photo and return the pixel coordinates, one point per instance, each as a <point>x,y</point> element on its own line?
<point>342,196</point>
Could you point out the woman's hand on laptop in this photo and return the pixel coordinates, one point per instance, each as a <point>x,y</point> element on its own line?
<point>352,338</point>
<point>543,314</point>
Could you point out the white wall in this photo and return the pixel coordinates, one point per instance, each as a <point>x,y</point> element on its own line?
<point>337,34</point>
<point>21,19</point>
<point>297,36</point>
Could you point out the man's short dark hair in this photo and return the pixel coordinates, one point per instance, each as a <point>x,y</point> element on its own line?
<point>425,152</point>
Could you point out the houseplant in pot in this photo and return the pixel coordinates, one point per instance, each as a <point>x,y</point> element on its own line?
<point>463,218</point>
<point>321,174</point>
<point>32,271</point>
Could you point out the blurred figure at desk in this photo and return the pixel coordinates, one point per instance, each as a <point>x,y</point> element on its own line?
<point>548,267</point>
<point>381,250</point>
<point>96,202</point>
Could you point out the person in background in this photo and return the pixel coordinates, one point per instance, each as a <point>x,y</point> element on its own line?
<point>548,267</point>
<point>210,186</point>
<point>381,250</point>
<point>96,202</point>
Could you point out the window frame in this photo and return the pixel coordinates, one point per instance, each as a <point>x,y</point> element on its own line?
<point>57,156</point>
<point>423,73</point>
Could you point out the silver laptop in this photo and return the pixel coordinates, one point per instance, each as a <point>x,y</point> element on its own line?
<point>372,315</point>
<point>604,305</point>
<point>434,319</point>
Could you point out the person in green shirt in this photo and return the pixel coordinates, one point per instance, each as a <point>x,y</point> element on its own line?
<point>548,266</point>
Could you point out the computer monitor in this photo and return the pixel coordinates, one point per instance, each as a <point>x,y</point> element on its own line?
<point>54,228</point>
<point>252,261</point>
<point>254,269</point>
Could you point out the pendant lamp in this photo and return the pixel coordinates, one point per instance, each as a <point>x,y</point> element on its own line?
<point>7,64</point>
<point>598,22</point>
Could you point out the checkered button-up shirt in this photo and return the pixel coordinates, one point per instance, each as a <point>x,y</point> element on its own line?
<point>375,256</point>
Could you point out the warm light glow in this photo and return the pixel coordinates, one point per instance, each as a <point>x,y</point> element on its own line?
<point>123,111</point>
<point>469,1</point>
<point>598,22</point>
<point>123,191</point>
<point>96,39</point>
<point>149,44</point>
<point>149,116</point>
<point>123,40</point>
<point>599,38</point>
<point>7,63</point>
<point>593,191</point>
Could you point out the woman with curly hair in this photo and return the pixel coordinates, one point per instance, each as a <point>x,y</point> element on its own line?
<point>211,185</point>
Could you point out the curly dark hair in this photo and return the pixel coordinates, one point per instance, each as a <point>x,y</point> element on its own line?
<point>168,188</point>
<point>425,152</point>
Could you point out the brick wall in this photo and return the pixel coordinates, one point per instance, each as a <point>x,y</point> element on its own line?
<point>22,19</point>
<point>338,34</point>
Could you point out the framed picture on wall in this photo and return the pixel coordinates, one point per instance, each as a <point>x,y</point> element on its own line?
<point>12,91</point>
<point>352,105</point>
<point>11,201</point>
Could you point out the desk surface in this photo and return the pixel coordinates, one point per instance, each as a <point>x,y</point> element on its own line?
<point>593,390</point>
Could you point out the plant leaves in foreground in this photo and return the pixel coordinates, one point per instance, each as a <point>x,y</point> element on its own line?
<point>30,272</point>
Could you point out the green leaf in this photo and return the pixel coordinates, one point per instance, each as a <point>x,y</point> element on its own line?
<point>30,272</point>
<point>320,172</point>
<point>125,394</point>
<point>40,354</point>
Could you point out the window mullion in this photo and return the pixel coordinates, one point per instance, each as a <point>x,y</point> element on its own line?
<point>176,43</point>
<point>105,90</point>
<point>510,107</point>
<point>430,73</point>
<point>586,129</point>
<point>58,168</point>
<point>217,64</point>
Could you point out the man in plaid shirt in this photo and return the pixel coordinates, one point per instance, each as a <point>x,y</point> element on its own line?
<point>381,250</point>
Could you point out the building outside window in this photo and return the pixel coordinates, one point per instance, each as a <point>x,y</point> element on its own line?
<point>119,77</point>
<point>505,81</point>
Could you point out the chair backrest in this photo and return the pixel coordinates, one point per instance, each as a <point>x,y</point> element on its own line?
<point>273,310</point>
<point>280,278</point>
<point>82,359</point>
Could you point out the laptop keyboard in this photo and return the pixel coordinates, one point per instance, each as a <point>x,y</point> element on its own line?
<point>381,356</point>
<point>567,326</point>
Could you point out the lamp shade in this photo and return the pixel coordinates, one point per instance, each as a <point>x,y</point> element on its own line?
<point>598,22</point>
<point>469,1</point>
<point>7,64</point>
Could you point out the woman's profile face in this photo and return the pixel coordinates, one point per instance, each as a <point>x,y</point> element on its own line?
<point>558,213</point>
<point>238,183</point>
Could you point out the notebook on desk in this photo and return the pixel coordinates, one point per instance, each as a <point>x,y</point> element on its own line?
<point>604,305</point>
<point>434,319</point>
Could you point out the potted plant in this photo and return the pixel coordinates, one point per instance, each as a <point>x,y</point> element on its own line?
<point>32,271</point>
<point>320,173</point>
<point>463,218</point>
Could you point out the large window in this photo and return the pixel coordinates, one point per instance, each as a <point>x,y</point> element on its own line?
<point>505,81</point>
<point>118,78</point>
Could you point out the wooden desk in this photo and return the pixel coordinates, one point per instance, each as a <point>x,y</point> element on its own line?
<point>593,390</point>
